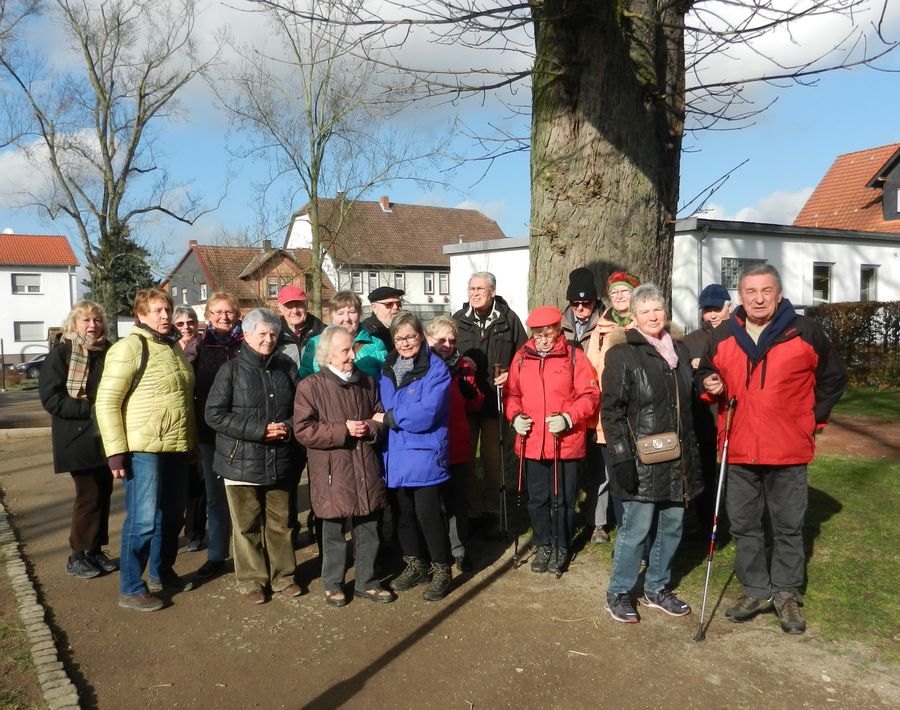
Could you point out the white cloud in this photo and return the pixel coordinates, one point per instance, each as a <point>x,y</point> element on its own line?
<point>776,208</point>
<point>493,208</point>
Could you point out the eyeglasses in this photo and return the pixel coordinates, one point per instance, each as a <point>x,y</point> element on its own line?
<point>406,339</point>
<point>620,293</point>
<point>219,314</point>
<point>447,341</point>
<point>582,304</point>
<point>548,334</point>
<point>478,289</point>
<point>388,304</point>
<point>184,323</point>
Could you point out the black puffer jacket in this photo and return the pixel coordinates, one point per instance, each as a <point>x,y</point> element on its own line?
<point>249,392</point>
<point>495,346</point>
<point>76,440</point>
<point>640,385</point>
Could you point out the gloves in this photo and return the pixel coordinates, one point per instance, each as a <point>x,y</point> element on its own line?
<point>522,424</point>
<point>558,423</point>
<point>467,389</point>
<point>625,473</point>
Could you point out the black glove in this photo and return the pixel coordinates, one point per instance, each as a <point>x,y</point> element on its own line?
<point>467,389</point>
<point>625,473</point>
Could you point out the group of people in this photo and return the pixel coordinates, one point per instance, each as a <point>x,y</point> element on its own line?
<point>212,431</point>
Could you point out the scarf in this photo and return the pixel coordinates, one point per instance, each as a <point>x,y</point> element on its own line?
<point>620,319</point>
<point>402,368</point>
<point>232,336</point>
<point>665,346</point>
<point>345,376</point>
<point>82,346</point>
<point>170,339</point>
<point>484,323</point>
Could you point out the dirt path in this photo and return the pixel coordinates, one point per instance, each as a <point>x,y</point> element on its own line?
<point>503,638</point>
<point>860,436</point>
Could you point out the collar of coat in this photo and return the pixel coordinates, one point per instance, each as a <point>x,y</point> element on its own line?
<point>779,328</point>
<point>560,349</point>
<point>632,335</point>
<point>254,358</point>
<point>352,380</point>
<point>421,363</point>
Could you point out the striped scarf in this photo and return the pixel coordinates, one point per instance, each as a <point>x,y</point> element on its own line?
<point>82,346</point>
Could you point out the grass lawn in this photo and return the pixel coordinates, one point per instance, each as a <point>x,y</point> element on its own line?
<point>870,402</point>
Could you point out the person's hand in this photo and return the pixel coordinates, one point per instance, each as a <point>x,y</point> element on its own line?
<point>522,424</point>
<point>275,431</point>
<point>695,362</point>
<point>357,429</point>
<point>501,374</point>
<point>378,417</point>
<point>558,423</point>
<point>625,473</point>
<point>119,473</point>
<point>714,385</point>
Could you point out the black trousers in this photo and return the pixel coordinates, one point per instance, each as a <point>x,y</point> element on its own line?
<point>541,503</point>
<point>90,511</point>
<point>422,517</point>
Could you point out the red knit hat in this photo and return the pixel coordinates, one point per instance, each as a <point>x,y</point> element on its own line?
<point>622,278</point>
<point>542,316</point>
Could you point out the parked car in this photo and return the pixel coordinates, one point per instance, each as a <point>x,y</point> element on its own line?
<point>30,368</point>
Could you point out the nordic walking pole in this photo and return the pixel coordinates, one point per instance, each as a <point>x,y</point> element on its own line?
<point>732,403</point>
<point>515,559</point>
<point>504,520</point>
<point>556,505</point>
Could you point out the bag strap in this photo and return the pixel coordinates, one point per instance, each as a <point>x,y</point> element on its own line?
<point>142,365</point>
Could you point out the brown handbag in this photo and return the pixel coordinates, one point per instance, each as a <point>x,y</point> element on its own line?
<point>659,448</point>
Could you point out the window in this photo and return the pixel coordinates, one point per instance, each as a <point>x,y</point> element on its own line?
<point>356,281</point>
<point>444,283</point>
<point>429,282</point>
<point>373,280</point>
<point>204,292</point>
<point>821,283</point>
<point>272,287</point>
<point>26,283</point>
<point>184,295</point>
<point>867,282</point>
<point>29,331</point>
<point>174,291</point>
<point>732,268</point>
<point>400,280</point>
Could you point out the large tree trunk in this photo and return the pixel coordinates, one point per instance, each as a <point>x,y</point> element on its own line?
<point>607,124</point>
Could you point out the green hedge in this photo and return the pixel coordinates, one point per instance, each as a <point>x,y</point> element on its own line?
<point>866,336</point>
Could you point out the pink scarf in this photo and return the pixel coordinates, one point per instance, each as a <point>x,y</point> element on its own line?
<point>664,345</point>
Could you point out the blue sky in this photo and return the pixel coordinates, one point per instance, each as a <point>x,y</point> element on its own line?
<point>789,149</point>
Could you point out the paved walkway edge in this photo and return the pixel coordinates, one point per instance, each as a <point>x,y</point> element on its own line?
<point>59,691</point>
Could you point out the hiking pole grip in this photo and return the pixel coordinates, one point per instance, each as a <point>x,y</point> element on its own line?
<point>732,404</point>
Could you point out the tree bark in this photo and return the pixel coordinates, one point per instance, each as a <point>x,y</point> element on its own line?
<point>607,125</point>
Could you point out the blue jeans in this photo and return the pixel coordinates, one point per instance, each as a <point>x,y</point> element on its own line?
<point>218,519</point>
<point>155,496</point>
<point>636,524</point>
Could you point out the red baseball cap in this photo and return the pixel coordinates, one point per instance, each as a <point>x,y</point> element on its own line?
<point>542,316</point>
<point>291,293</point>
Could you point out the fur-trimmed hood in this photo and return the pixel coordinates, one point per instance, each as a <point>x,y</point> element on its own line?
<point>618,335</point>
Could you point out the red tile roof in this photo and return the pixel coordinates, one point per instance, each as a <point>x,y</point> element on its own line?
<point>406,235</point>
<point>842,199</point>
<point>36,250</point>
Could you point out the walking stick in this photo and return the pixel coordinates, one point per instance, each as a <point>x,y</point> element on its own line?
<point>556,505</point>
<point>501,419</point>
<point>515,559</point>
<point>732,403</point>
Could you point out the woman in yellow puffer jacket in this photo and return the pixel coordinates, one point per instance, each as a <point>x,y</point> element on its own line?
<point>145,415</point>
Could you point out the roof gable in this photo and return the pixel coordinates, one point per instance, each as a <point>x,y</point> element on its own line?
<point>402,234</point>
<point>36,250</point>
<point>848,197</point>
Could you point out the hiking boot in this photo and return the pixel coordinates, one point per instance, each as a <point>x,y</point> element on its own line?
<point>140,602</point>
<point>541,560</point>
<point>210,569</point>
<point>415,573</point>
<point>80,566</point>
<point>558,562</point>
<point>101,561</point>
<point>788,610</point>
<point>747,607</point>
<point>621,609</point>
<point>171,583</point>
<point>668,602</point>
<point>440,583</point>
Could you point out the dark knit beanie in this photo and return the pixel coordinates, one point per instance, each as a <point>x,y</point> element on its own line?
<point>581,286</point>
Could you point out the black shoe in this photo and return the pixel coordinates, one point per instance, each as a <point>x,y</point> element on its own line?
<point>440,583</point>
<point>621,609</point>
<point>558,562</point>
<point>171,583</point>
<point>788,610</point>
<point>463,564</point>
<point>415,573</point>
<point>665,600</point>
<point>80,566</point>
<point>101,561</point>
<point>210,569</point>
<point>541,560</point>
<point>747,607</point>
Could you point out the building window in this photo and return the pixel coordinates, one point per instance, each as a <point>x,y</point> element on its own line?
<point>272,287</point>
<point>184,296</point>
<point>29,331</point>
<point>732,267</point>
<point>444,283</point>
<point>26,283</point>
<point>174,291</point>
<point>867,282</point>
<point>821,283</point>
<point>429,283</point>
<point>356,281</point>
<point>204,292</point>
<point>373,281</point>
<point>400,280</point>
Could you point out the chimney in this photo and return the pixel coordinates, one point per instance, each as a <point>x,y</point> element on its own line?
<point>385,203</point>
<point>192,243</point>
<point>267,244</point>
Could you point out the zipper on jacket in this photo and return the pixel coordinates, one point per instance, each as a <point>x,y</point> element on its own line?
<point>234,450</point>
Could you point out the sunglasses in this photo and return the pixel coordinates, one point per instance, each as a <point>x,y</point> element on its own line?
<point>183,323</point>
<point>582,304</point>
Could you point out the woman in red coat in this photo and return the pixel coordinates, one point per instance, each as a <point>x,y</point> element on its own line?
<point>549,396</point>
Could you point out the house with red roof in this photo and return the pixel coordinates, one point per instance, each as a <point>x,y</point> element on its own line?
<point>37,290</point>
<point>369,244</point>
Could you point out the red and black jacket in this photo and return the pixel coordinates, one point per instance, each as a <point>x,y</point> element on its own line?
<point>785,386</point>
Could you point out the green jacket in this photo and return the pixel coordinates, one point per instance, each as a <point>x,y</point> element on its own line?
<point>370,355</point>
<point>159,415</point>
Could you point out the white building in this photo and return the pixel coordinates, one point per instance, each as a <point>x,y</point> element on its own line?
<point>37,290</point>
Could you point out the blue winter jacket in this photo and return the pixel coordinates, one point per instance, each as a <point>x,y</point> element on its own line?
<point>417,413</point>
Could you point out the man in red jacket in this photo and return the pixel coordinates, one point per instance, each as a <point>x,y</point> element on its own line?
<point>786,377</point>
